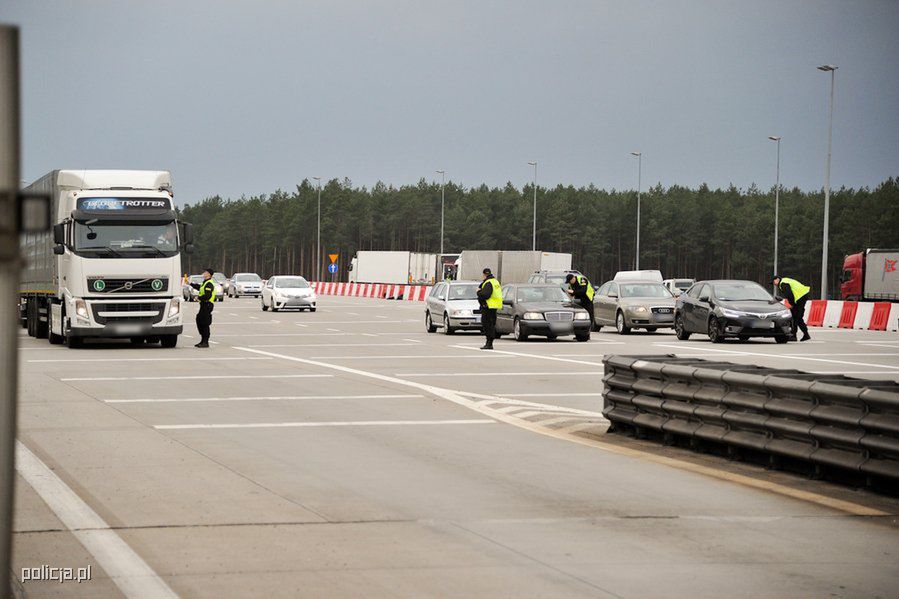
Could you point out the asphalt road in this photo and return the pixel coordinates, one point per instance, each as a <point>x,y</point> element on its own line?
<point>349,453</point>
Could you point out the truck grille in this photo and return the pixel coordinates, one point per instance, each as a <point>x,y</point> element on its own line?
<point>124,311</point>
<point>132,285</point>
<point>559,316</point>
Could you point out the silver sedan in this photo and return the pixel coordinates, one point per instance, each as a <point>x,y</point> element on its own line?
<point>453,306</point>
<point>630,305</point>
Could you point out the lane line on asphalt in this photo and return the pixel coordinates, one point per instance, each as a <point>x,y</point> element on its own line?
<point>198,377</point>
<point>321,424</point>
<point>323,345</point>
<point>415,357</point>
<point>528,355</point>
<point>454,374</point>
<point>288,335</point>
<point>130,573</point>
<point>260,398</point>
<point>184,359</point>
<point>793,357</point>
<point>454,397</point>
<point>551,395</point>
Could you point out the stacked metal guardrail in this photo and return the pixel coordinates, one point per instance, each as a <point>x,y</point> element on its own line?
<point>825,421</point>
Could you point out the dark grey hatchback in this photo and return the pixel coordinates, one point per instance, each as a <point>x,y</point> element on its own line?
<point>543,310</point>
<point>727,308</point>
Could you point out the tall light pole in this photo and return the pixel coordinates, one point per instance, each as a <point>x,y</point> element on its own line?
<point>442,203</point>
<point>776,200</point>
<point>639,156</point>
<point>832,70</point>
<point>318,239</point>
<point>534,238</point>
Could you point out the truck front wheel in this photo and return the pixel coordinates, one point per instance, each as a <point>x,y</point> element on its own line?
<point>169,340</point>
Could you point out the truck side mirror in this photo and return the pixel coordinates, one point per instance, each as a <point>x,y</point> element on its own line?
<point>59,234</point>
<point>59,250</point>
<point>188,248</point>
<point>187,235</point>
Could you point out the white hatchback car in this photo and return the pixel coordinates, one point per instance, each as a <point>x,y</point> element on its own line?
<point>288,291</point>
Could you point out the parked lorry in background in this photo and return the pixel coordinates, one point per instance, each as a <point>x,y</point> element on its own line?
<point>393,267</point>
<point>871,275</point>
<point>112,265</point>
<point>511,266</point>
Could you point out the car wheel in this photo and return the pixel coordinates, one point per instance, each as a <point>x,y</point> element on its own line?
<point>519,334</point>
<point>264,307</point>
<point>651,329</point>
<point>447,329</point>
<point>716,335</point>
<point>621,324</point>
<point>596,328</point>
<point>429,325</point>
<point>274,307</point>
<point>743,338</point>
<point>582,336</point>
<point>781,338</point>
<point>312,309</point>
<point>679,329</point>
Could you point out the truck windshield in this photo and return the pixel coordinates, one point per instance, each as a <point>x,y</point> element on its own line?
<point>126,240</point>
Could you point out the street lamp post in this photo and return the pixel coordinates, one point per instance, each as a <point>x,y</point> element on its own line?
<point>832,70</point>
<point>639,156</point>
<point>442,204</point>
<point>534,237</point>
<point>318,239</point>
<point>776,200</point>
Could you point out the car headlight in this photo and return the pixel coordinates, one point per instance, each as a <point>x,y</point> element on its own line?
<point>175,308</point>
<point>733,313</point>
<point>533,316</point>
<point>80,308</point>
<point>581,316</point>
<point>638,309</point>
<point>783,314</point>
<point>460,313</point>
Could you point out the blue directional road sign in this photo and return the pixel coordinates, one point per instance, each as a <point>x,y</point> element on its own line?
<point>332,268</point>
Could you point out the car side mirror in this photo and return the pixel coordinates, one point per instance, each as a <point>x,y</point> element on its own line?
<point>507,302</point>
<point>613,294</point>
<point>59,234</point>
<point>704,299</point>
<point>59,250</point>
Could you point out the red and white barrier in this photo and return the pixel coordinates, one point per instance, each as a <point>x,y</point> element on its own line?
<point>410,293</point>
<point>863,316</point>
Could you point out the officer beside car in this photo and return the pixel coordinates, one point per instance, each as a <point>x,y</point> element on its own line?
<point>797,294</point>
<point>581,290</point>
<point>490,298</point>
<point>206,298</point>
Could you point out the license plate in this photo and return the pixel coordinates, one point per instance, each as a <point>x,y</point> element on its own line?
<point>763,324</point>
<point>128,329</point>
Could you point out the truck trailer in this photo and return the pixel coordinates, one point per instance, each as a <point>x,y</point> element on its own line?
<point>871,276</point>
<point>511,266</point>
<point>111,266</point>
<point>393,267</point>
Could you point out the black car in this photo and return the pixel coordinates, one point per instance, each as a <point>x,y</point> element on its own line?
<point>543,310</point>
<point>722,309</point>
<point>554,277</point>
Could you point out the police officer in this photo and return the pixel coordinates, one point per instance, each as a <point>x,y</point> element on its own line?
<point>490,297</point>
<point>581,290</point>
<point>797,294</point>
<point>206,298</point>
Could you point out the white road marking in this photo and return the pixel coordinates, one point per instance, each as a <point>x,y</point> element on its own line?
<point>185,359</point>
<point>883,372</point>
<point>551,395</point>
<point>369,334</point>
<point>200,377</point>
<point>333,330</point>
<point>413,357</point>
<point>794,357</point>
<point>413,340</point>
<point>262,398</point>
<point>125,568</point>
<point>325,345</point>
<point>317,424</point>
<point>454,374</point>
<point>352,314</point>
<point>289,335</point>
<point>529,355</point>
<point>878,345</point>
<point>219,322</point>
<point>300,325</point>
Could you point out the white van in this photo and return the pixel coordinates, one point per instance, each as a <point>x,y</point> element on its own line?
<point>654,276</point>
<point>678,286</point>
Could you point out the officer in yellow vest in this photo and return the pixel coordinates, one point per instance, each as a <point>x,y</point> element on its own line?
<point>581,290</point>
<point>490,297</point>
<point>206,297</point>
<point>797,294</point>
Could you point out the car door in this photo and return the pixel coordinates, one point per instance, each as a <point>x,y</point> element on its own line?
<point>504,315</point>
<point>699,312</point>
<point>598,299</point>
<point>610,303</point>
<point>434,303</point>
<point>267,292</point>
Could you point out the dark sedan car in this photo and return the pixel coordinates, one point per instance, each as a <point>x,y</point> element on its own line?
<point>722,309</point>
<point>543,310</point>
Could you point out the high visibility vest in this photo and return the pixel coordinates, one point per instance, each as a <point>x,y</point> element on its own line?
<point>590,291</point>
<point>210,291</point>
<point>799,290</point>
<point>495,301</point>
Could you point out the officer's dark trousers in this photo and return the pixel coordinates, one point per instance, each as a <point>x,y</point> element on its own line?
<point>588,306</point>
<point>488,323</point>
<point>204,319</point>
<point>798,311</point>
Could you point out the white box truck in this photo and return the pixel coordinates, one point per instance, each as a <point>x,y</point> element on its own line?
<point>393,267</point>
<point>112,265</point>
<point>510,266</point>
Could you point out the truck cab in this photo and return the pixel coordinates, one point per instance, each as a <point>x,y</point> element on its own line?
<point>852,277</point>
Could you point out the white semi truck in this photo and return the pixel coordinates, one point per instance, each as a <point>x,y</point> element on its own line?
<point>393,267</point>
<point>112,265</point>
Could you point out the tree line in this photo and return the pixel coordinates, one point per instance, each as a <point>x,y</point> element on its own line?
<point>698,233</point>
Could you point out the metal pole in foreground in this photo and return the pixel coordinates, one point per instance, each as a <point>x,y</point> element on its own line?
<point>442,202</point>
<point>832,69</point>
<point>639,156</point>
<point>9,280</point>
<point>776,201</point>
<point>318,241</point>
<point>534,238</point>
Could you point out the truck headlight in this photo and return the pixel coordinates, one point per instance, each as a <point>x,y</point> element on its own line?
<point>175,308</point>
<point>533,316</point>
<point>581,316</point>
<point>80,308</point>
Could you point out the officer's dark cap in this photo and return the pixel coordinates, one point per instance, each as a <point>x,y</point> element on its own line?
<point>776,277</point>
<point>569,278</point>
<point>209,270</point>
<point>487,271</point>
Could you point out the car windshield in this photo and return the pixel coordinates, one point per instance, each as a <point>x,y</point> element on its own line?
<point>219,277</point>
<point>246,278</point>
<point>291,283</point>
<point>683,284</point>
<point>196,279</point>
<point>126,239</point>
<point>643,290</point>
<point>463,292</point>
<point>541,294</point>
<point>736,292</point>
<point>555,279</point>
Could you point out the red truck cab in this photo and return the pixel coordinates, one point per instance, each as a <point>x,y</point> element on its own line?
<point>852,279</point>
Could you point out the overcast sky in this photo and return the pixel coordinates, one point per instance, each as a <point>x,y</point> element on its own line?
<point>243,97</point>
